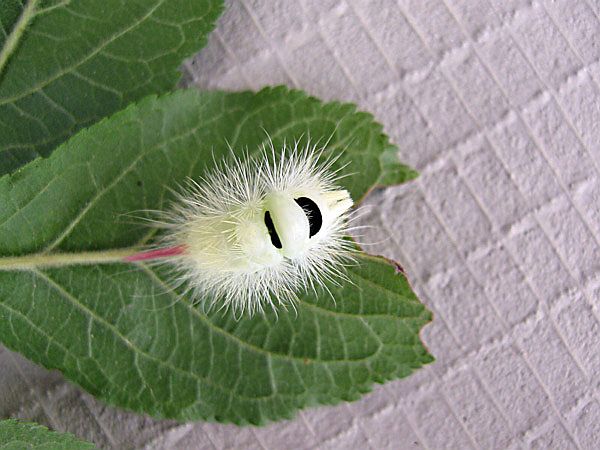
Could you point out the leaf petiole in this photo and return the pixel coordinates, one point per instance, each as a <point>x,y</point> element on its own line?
<point>28,262</point>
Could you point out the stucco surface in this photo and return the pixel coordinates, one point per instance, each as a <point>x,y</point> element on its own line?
<point>497,103</point>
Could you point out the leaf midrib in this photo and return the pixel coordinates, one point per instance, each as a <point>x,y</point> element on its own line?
<point>12,42</point>
<point>56,260</point>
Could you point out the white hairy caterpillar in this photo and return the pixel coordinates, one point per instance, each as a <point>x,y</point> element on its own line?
<point>256,232</point>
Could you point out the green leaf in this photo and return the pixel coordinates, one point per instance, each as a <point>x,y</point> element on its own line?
<point>121,332</point>
<point>66,64</point>
<point>16,435</point>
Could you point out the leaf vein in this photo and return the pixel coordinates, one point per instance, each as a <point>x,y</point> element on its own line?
<point>169,290</point>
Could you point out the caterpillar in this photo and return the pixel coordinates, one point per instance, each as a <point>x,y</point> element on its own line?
<point>257,231</point>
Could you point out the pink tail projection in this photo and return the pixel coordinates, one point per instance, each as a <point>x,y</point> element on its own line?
<point>155,254</point>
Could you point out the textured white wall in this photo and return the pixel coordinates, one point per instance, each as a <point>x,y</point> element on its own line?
<point>497,103</point>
